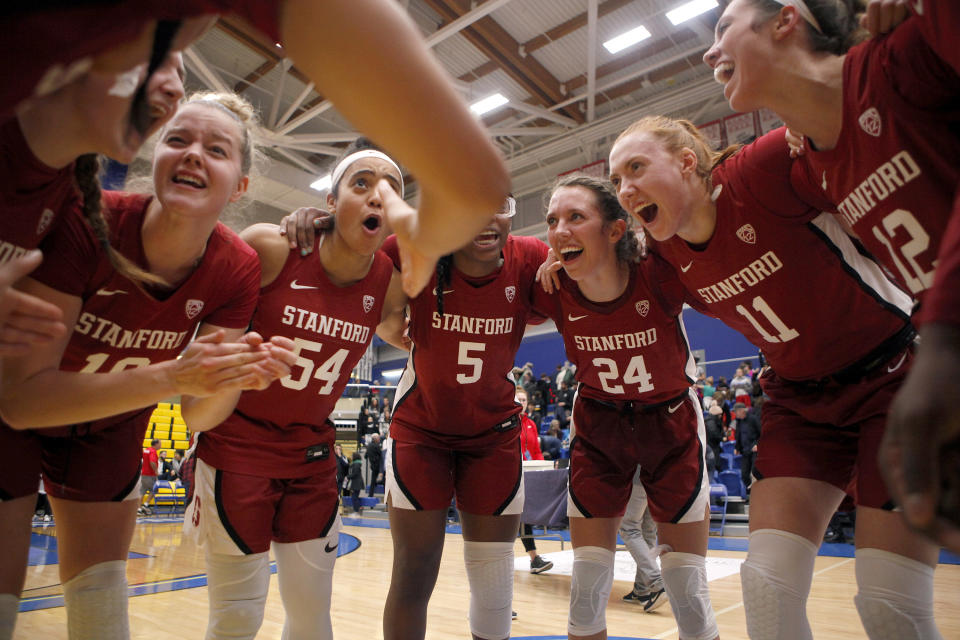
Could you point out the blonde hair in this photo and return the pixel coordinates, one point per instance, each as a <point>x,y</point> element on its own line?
<point>677,135</point>
<point>240,110</point>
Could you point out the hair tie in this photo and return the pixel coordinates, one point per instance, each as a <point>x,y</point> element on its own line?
<point>804,12</point>
<point>360,155</point>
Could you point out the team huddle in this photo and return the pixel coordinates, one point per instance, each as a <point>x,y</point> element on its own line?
<point>830,246</point>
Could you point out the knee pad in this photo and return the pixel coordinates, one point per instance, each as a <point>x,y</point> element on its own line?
<point>776,579</point>
<point>237,587</point>
<point>305,579</point>
<point>685,581</point>
<point>895,596</point>
<point>589,590</point>
<point>490,573</point>
<point>96,601</point>
<point>9,604</point>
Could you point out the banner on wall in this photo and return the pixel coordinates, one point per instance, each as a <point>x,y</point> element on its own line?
<point>741,128</point>
<point>714,133</point>
<point>768,121</point>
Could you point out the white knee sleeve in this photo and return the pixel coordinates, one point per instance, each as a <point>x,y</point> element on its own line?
<point>490,573</point>
<point>776,580</point>
<point>589,590</point>
<point>9,605</point>
<point>96,601</point>
<point>305,578</point>
<point>685,581</point>
<point>895,596</point>
<point>237,586</point>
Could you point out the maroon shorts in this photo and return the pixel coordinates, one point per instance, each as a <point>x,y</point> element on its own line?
<point>830,430</point>
<point>253,511</point>
<point>87,466</point>
<point>487,481</point>
<point>666,440</point>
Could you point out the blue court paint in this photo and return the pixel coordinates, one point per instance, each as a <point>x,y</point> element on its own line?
<point>347,544</point>
<point>43,550</point>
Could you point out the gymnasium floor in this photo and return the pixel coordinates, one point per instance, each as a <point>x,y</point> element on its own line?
<point>167,580</point>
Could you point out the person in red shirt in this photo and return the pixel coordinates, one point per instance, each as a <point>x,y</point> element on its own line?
<point>836,334</point>
<point>148,476</point>
<point>129,348</point>
<point>882,148</point>
<point>530,450</point>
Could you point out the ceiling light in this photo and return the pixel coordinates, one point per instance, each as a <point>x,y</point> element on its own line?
<point>322,184</point>
<point>624,40</point>
<point>391,374</point>
<point>488,104</point>
<point>690,10</point>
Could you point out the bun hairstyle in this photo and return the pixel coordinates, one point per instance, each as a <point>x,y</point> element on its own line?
<point>628,247</point>
<point>241,111</point>
<point>839,22</point>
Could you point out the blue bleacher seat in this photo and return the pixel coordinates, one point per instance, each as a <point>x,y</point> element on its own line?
<point>728,447</point>
<point>730,461</point>
<point>731,480</point>
<point>718,505</point>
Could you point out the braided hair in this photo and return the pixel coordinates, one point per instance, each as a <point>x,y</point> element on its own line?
<point>444,273</point>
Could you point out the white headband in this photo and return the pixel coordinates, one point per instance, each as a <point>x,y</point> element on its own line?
<point>803,10</point>
<point>360,155</point>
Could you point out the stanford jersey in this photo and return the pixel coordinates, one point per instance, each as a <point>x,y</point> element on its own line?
<point>940,23</point>
<point>457,386</point>
<point>631,348</point>
<point>51,47</point>
<point>894,170</point>
<point>32,195</point>
<point>942,303</point>
<point>120,325</point>
<point>799,291</point>
<point>331,327</point>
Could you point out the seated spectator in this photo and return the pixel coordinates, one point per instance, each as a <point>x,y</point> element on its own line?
<point>722,383</point>
<point>550,443</point>
<point>564,404</point>
<point>708,390</point>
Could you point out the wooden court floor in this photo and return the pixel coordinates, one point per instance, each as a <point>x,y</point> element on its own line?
<point>362,578</point>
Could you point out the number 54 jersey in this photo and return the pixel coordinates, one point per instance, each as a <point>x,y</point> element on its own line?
<point>457,386</point>
<point>331,327</point>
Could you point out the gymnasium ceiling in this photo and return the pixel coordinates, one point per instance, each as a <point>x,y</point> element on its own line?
<point>568,96</point>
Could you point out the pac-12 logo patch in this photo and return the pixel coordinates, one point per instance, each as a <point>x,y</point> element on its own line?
<point>747,234</point>
<point>367,303</point>
<point>643,308</point>
<point>510,292</point>
<point>870,122</point>
<point>45,219</point>
<point>193,308</point>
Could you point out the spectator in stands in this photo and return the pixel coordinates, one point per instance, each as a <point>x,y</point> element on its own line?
<point>530,450</point>
<point>355,476</point>
<point>722,383</point>
<point>187,468</point>
<point>176,464</point>
<point>529,384</point>
<point>564,404</point>
<point>148,477</point>
<point>748,436</point>
<point>374,456</point>
<point>363,421</point>
<point>708,391</point>
<point>385,418</point>
<point>713,421</point>
<point>550,442</point>
<point>546,390</point>
<point>639,533</point>
<point>742,387</point>
<point>343,466</point>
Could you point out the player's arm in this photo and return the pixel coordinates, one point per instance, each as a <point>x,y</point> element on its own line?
<point>36,393</point>
<point>25,320</point>
<point>393,321</point>
<point>271,248</point>
<point>400,96</point>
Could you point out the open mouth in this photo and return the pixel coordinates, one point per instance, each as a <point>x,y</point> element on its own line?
<point>569,254</point>
<point>723,72</point>
<point>189,180</point>
<point>648,213</point>
<point>486,238</point>
<point>372,223</point>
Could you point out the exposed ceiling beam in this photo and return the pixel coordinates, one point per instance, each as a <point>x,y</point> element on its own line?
<point>199,66</point>
<point>546,114</point>
<point>256,74</point>
<point>464,21</point>
<point>591,60</point>
<point>528,131</point>
<point>493,41</point>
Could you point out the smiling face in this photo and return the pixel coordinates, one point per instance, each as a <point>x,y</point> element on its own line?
<point>578,234</point>
<point>358,207</point>
<point>649,181</point>
<point>197,163</point>
<point>741,48</point>
<point>482,255</point>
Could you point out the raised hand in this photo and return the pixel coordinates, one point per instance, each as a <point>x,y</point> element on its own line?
<point>547,272</point>
<point>25,320</point>
<point>301,227</point>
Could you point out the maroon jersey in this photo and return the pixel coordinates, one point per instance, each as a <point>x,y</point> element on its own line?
<point>457,385</point>
<point>894,170</point>
<point>798,290</point>
<point>942,302</point>
<point>50,47</point>
<point>631,348</point>
<point>122,326</point>
<point>940,23</point>
<point>32,195</point>
<point>331,327</point>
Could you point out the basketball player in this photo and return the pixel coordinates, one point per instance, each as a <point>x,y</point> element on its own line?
<point>758,259</point>
<point>883,148</point>
<point>635,406</point>
<point>103,378</point>
<point>51,47</point>
<point>265,475</point>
